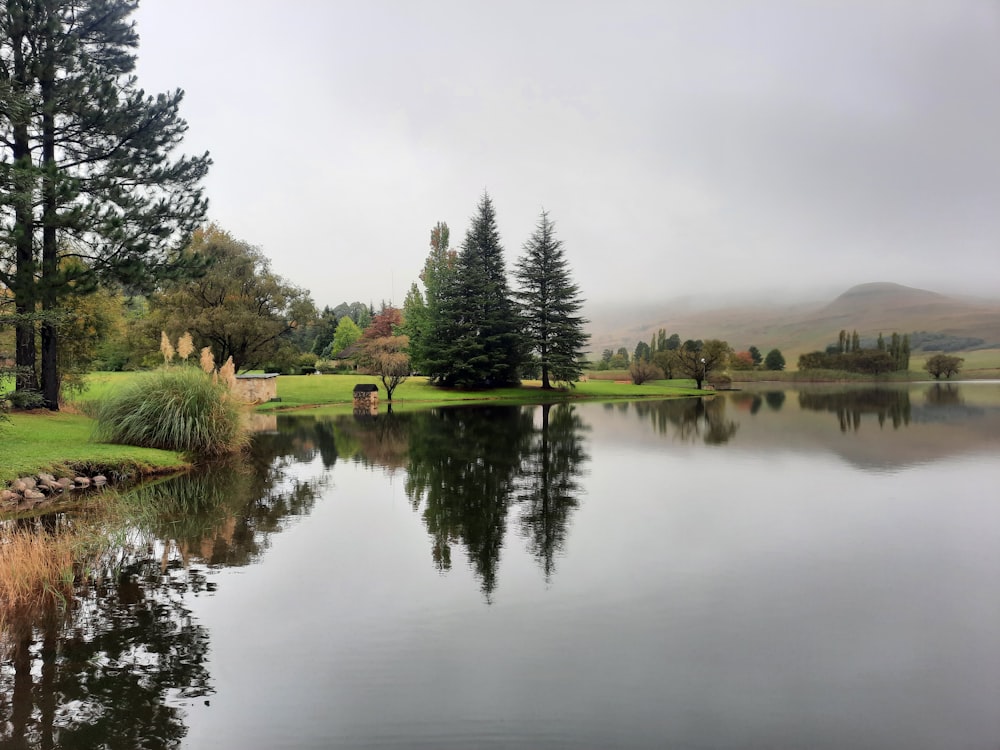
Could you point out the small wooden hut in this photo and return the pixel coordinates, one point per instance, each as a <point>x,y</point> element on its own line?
<point>366,397</point>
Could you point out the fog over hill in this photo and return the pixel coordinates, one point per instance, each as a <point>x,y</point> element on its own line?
<point>801,325</point>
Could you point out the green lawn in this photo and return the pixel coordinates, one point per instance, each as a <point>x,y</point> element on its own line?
<point>311,390</point>
<point>46,441</point>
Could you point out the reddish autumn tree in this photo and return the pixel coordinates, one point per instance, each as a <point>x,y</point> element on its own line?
<point>742,361</point>
<point>384,323</point>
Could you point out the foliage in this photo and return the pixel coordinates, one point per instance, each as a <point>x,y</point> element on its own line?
<point>774,360</point>
<point>384,323</point>
<point>238,307</point>
<point>324,330</point>
<point>87,170</point>
<point>666,360</point>
<point>866,361</point>
<point>642,351</point>
<point>755,356</point>
<point>943,364</point>
<point>475,338</point>
<point>176,408</point>
<point>848,354</point>
<point>347,334</point>
<point>386,357</point>
<point>642,370</point>
<point>742,361</point>
<point>697,359</point>
<point>550,303</point>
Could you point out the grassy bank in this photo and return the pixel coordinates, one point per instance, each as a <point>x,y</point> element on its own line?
<point>61,442</point>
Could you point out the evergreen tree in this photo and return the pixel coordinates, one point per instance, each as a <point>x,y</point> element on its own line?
<point>550,303</point>
<point>421,313</point>
<point>325,330</point>
<point>85,168</point>
<point>415,326</point>
<point>774,360</point>
<point>476,339</point>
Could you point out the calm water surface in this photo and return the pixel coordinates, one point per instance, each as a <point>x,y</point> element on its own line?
<point>783,568</point>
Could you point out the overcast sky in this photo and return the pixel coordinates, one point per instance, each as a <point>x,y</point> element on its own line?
<point>682,148</point>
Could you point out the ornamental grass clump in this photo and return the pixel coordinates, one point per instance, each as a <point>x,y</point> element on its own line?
<point>176,408</point>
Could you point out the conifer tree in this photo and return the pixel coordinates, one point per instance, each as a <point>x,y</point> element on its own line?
<point>476,339</point>
<point>85,168</point>
<point>550,306</point>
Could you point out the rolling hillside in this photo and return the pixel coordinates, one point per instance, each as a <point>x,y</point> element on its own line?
<point>867,308</point>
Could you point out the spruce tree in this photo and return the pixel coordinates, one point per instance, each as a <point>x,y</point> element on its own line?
<point>475,339</point>
<point>550,303</point>
<point>85,168</point>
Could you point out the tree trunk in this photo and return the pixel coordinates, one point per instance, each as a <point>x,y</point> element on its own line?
<point>50,247</point>
<point>23,200</point>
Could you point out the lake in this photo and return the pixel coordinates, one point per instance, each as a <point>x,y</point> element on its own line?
<point>775,567</point>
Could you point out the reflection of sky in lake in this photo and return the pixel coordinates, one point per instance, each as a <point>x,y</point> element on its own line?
<point>757,593</point>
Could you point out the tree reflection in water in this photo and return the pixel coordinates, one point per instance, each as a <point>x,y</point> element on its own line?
<point>116,667</point>
<point>469,468</point>
<point>114,670</point>
<point>690,419</point>
<point>550,482</point>
<point>886,404</point>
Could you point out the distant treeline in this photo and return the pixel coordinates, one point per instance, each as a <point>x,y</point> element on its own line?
<point>848,355</point>
<point>945,342</point>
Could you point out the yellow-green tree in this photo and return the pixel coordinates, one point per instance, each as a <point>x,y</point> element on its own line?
<point>239,307</point>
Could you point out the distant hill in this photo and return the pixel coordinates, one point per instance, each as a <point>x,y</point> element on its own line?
<point>868,308</point>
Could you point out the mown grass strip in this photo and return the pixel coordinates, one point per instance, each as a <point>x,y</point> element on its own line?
<point>56,441</point>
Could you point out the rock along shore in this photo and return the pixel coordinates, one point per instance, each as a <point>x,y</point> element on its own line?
<point>29,492</point>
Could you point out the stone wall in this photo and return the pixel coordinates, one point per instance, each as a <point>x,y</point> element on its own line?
<point>256,389</point>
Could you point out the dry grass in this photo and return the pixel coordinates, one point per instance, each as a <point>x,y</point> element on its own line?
<point>36,568</point>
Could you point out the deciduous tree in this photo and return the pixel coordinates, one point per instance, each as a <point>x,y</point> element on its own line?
<point>697,359</point>
<point>943,364</point>
<point>386,356</point>
<point>239,307</point>
<point>347,334</point>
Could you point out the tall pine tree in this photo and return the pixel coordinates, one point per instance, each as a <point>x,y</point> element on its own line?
<point>550,303</point>
<point>475,336</point>
<point>85,168</point>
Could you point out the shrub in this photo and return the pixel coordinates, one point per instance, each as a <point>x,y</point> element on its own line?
<point>640,371</point>
<point>24,400</point>
<point>178,409</point>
